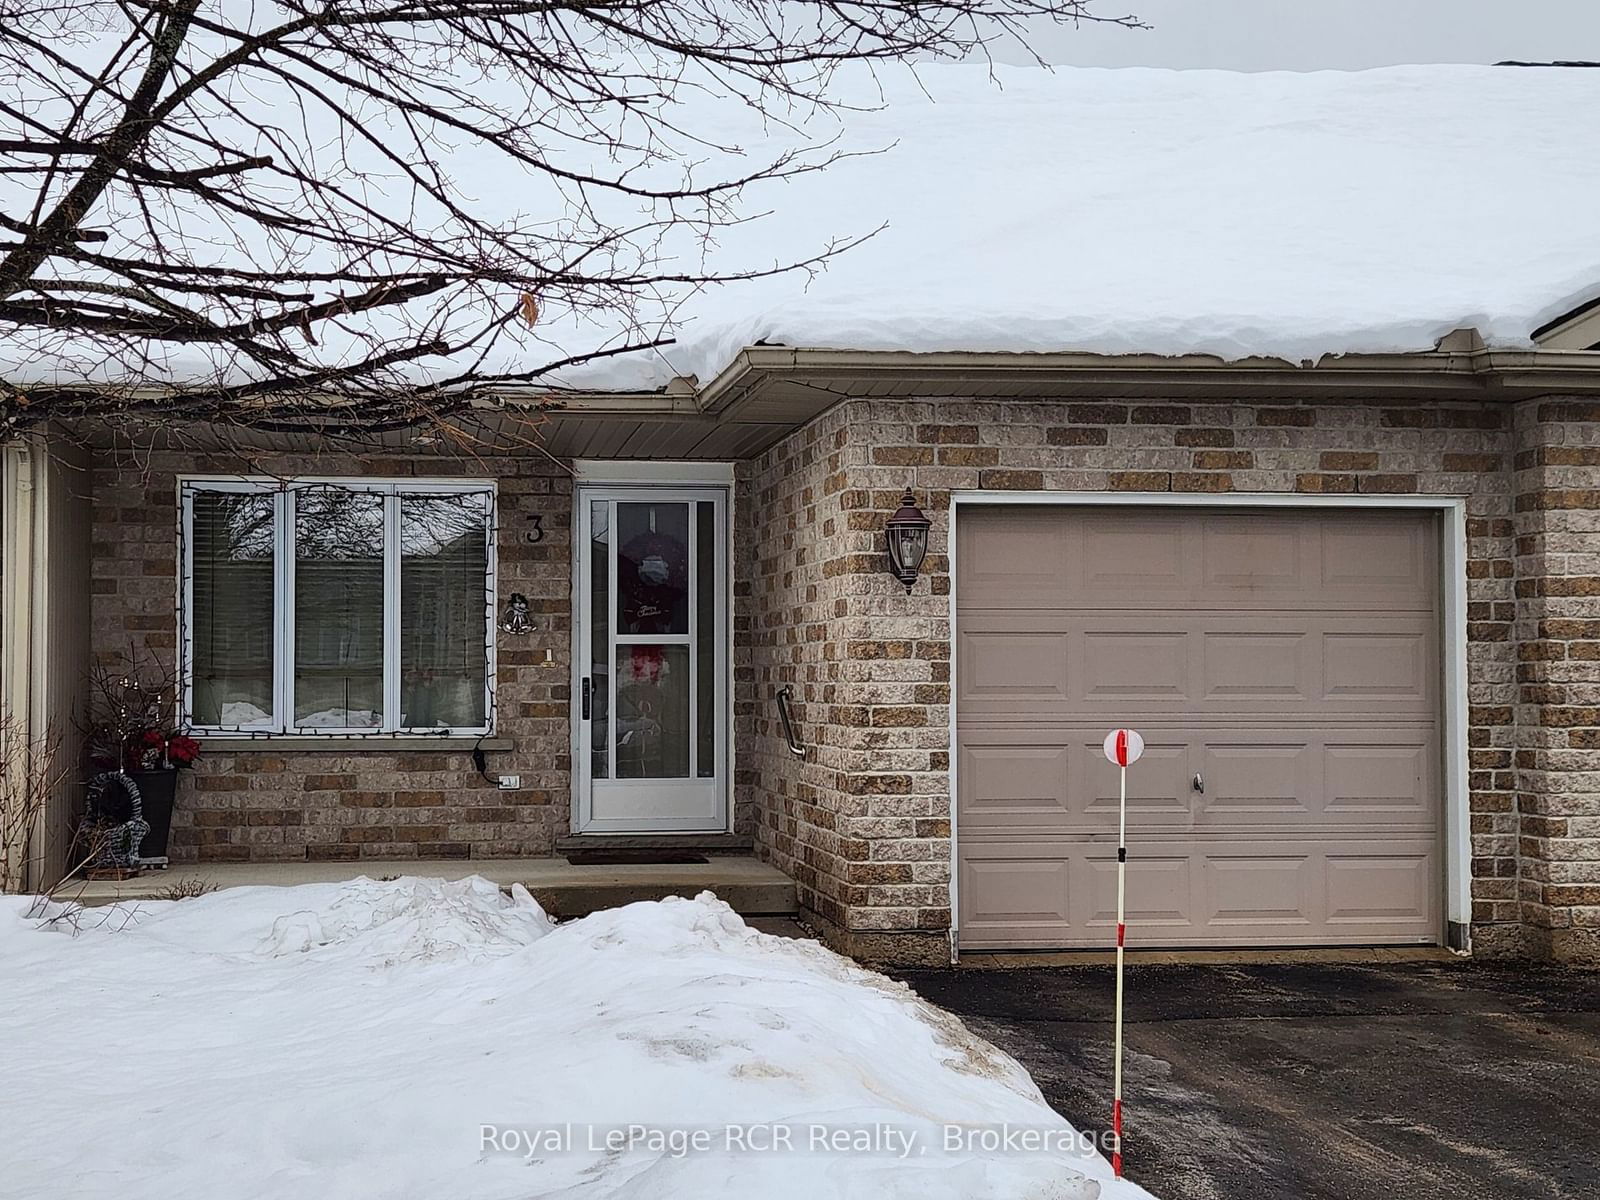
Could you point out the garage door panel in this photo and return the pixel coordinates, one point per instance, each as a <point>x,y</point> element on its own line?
<point>1242,556</point>
<point>1159,794</point>
<point>1391,665</point>
<point>1254,780</point>
<point>1002,669</point>
<point>1382,561</point>
<point>1130,666</point>
<point>1138,558</point>
<point>1284,669</point>
<point>1061,893</point>
<point>1321,780</point>
<point>1262,888</point>
<point>1009,784</point>
<point>1119,553</point>
<point>1019,562</point>
<point>1058,781</point>
<point>1054,780</point>
<point>1160,891</point>
<point>1378,890</point>
<point>1012,897</point>
<point>1394,776</point>
<point>1256,665</point>
<point>1072,666</point>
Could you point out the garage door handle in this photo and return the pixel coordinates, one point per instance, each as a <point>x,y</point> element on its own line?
<point>1199,783</point>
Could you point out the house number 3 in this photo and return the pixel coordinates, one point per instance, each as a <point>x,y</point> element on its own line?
<point>536,534</point>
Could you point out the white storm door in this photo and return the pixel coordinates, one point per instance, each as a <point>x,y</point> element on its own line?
<point>651,661</point>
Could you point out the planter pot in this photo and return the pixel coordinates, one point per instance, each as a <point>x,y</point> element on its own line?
<point>156,792</point>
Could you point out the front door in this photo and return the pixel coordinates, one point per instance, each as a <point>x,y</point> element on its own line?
<point>651,692</point>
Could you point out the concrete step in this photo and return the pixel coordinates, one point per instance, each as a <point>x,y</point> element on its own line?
<point>751,888</point>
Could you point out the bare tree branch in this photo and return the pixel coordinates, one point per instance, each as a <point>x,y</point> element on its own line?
<point>300,215</point>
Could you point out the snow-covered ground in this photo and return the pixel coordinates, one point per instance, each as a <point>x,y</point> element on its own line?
<point>413,1037</point>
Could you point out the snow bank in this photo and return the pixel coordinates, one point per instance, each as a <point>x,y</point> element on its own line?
<point>413,920</point>
<point>418,1038</point>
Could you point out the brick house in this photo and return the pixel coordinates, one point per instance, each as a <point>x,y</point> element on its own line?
<point>1353,604</point>
<point>1357,624</point>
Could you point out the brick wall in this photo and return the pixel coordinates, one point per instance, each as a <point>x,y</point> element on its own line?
<point>1557,471</point>
<point>866,848</point>
<point>273,804</point>
<point>866,825</point>
<point>862,823</point>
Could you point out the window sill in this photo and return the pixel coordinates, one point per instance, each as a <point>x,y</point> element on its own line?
<point>277,743</point>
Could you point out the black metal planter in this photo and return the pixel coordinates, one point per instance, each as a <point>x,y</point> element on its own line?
<point>156,791</point>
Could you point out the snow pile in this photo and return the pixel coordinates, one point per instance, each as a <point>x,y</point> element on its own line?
<point>413,920</point>
<point>416,1039</point>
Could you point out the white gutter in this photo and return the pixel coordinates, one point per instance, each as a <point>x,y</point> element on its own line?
<point>1462,368</point>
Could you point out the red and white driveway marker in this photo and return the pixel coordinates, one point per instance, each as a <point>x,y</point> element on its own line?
<point>1123,746</point>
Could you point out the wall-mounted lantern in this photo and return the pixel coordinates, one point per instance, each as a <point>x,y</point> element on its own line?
<point>907,533</point>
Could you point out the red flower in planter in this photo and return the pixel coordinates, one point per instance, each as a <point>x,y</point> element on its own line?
<point>153,749</point>
<point>182,751</point>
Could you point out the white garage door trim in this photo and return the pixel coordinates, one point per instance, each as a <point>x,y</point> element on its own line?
<point>1453,564</point>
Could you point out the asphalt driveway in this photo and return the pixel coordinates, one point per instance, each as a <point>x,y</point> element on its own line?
<point>1416,1081</point>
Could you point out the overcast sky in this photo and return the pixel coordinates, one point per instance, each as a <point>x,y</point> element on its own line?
<point>1309,35</point>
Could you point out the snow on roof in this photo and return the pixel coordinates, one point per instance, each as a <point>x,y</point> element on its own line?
<point>1128,210</point>
<point>1174,212</point>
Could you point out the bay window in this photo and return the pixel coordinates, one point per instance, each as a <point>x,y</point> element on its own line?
<point>343,607</point>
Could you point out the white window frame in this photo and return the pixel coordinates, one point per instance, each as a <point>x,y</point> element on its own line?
<point>284,491</point>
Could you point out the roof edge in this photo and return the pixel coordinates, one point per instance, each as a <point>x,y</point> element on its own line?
<point>1553,333</point>
<point>1442,373</point>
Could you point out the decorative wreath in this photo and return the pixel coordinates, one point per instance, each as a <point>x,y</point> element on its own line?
<point>653,577</point>
<point>114,826</point>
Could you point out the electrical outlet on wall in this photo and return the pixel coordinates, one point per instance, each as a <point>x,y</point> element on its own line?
<point>509,783</point>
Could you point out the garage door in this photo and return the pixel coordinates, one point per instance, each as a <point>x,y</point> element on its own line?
<point>1283,666</point>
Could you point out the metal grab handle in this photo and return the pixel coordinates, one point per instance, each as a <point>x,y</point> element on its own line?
<point>795,748</point>
<point>1199,783</point>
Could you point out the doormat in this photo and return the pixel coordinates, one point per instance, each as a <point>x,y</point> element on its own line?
<point>613,858</point>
